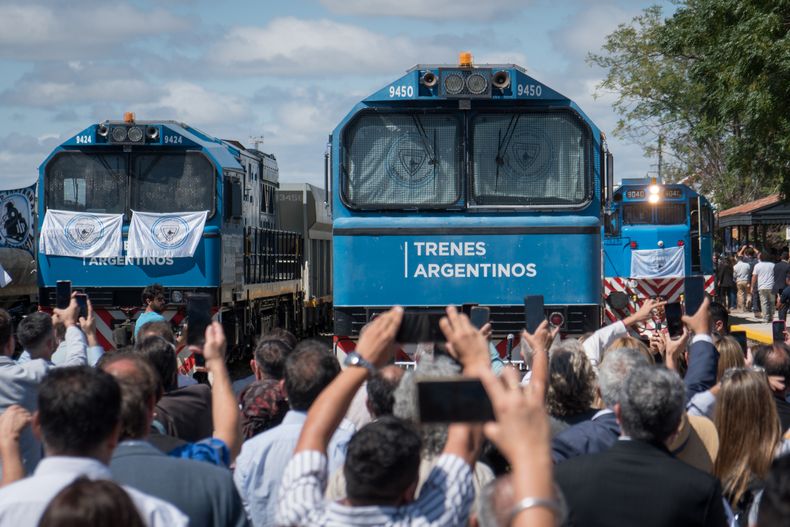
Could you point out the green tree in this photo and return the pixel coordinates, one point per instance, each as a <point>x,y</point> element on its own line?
<point>714,81</point>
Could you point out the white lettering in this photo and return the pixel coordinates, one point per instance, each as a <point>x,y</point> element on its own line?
<point>430,248</point>
<point>532,271</point>
<point>481,248</point>
<point>419,246</point>
<point>433,270</point>
<point>420,271</point>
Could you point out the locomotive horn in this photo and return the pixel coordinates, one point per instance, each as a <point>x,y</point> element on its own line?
<point>501,79</point>
<point>429,79</point>
<point>152,132</point>
<point>102,130</point>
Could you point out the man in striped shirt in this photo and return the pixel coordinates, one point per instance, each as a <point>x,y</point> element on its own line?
<point>383,457</point>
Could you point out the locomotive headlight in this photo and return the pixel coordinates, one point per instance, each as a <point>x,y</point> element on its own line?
<point>135,134</point>
<point>476,84</point>
<point>653,198</point>
<point>176,297</point>
<point>453,83</point>
<point>119,134</point>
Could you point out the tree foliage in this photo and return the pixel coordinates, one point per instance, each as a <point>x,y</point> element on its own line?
<point>713,80</point>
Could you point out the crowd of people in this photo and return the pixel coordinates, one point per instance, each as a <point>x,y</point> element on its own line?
<point>754,281</point>
<point>601,430</point>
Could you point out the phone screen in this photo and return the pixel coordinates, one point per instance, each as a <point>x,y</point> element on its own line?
<point>740,336</point>
<point>453,401</point>
<point>533,312</point>
<point>778,330</point>
<point>82,302</point>
<point>63,294</point>
<point>694,293</point>
<point>198,318</point>
<point>479,316</point>
<point>674,322</point>
<point>416,327</point>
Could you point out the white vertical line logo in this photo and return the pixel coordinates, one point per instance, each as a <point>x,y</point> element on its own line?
<point>405,259</point>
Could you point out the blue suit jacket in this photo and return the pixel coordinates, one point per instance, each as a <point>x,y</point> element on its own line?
<point>587,437</point>
<point>701,373</point>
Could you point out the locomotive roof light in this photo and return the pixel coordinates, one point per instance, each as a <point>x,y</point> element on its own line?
<point>128,117</point>
<point>653,198</point>
<point>476,84</point>
<point>661,243</point>
<point>654,188</point>
<point>119,134</point>
<point>135,134</point>
<point>453,83</point>
<point>465,59</point>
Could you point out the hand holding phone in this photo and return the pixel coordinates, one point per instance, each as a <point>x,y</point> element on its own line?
<point>778,330</point>
<point>199,317</point>
<point>694,294</point>
<point>740,336</point>
<point>82,304</point>
<point>534,312</point>
<point>674,315</point>
<point>479,316</point>
<point>453,400</point>
<point>62,294</point>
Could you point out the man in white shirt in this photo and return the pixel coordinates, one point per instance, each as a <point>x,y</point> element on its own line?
<point>78,421</point>
<point>19,381</point>
<point>309,368</point>
<point>763,283</point>
<point>742,273</point>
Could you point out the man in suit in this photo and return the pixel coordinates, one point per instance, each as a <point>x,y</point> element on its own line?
<point>637,481</point>
<point>202,491</point>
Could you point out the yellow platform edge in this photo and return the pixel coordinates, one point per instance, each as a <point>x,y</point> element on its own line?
<point>763,337</point>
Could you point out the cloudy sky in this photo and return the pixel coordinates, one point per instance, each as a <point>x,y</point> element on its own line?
<point>284,70</point>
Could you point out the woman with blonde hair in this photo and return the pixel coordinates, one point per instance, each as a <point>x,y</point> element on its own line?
<point>730,355</point>
<point>750,436</point>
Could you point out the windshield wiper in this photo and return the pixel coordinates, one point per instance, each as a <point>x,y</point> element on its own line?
<point>424,137</point>
<point>503,143</point>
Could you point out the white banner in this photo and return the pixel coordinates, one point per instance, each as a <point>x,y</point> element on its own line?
<point>81,234</point>
<point>173,235</point>
<point>658,263</point>
<point>5,278</point>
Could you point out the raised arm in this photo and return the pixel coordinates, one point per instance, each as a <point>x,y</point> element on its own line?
<point>224,408</point>
<point>12,422</point>
<point>328,410</point>
<point>76,346</point>
<point>703,359</point>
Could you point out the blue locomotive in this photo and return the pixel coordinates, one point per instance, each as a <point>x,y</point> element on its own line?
<point>252,268</point>
<point>460,184</point>
<point>655,236</point>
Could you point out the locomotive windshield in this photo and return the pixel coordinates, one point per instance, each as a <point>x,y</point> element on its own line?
<point>643,213</point>
<point>403,160</point>
<point>529,159</point>
<point>172,182</point>
<point>87,182</point>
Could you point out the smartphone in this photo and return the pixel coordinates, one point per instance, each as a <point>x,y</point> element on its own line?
<point>82,302</point>
<point>534,314</point>
<point>694,293</point>
<point>674,322</point>
<point>63,294</point>
<point>453,400</point>
<point>740,336</point>
<point>198,319</point>
<point>778,330</point>
<point>479,316</point>
<point>416,327</point>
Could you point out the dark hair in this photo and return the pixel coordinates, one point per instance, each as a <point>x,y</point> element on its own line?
<point>138,387</point>
<point>775,359</point>
<point>383,459</point>
<point>151,292</point>
<point>78,409</point>
<point>162,356</point>
<point>775,504</point>
<point>6,328</point>
<point>309,368</point>
<point>91,503</point>
<point>270,353</point>
<point>159,328</point>
<point>653,403</point>
<point>34,329</point>
<point>381,394</point>
<point>719,313</point>
<point>284,335</point>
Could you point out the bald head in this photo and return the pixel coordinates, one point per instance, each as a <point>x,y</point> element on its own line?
<point>140,389</point>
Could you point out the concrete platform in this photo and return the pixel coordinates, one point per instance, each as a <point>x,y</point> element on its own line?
<point>756,329</point>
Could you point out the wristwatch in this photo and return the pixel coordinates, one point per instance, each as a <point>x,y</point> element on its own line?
<point>355,359</point>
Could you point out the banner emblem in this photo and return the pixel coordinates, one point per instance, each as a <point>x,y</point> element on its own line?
<point>170,232</point>
<point>82,232</point>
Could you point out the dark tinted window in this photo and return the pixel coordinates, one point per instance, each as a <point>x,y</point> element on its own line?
<point>670,213</point>
<point>402,161</point>
<point>637,213</point>
<point>178,182</point>
<point>87,182</point>
<point>527,159</point>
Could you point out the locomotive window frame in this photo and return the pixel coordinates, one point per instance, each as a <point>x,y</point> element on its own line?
<point>588,151</point>
<point>89,154</point>
<point>132,167</point>
<point>457,202</point>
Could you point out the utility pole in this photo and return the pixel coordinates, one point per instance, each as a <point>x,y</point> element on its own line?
<point>660,148</point>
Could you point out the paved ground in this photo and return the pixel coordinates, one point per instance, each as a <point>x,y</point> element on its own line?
<point>756,328</point>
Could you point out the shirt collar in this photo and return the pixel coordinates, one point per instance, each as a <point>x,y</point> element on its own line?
<point>294,417</point>
<point>87,466</point>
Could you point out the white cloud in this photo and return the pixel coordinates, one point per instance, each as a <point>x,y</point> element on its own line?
<point>586,30</point>
<point>433,9</point>
<point>37,32</point>
<point>20,156</point>
<point>296,47</point>
<point>195,105</point>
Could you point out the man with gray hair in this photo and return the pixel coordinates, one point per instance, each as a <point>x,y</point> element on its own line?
<point>602,431</point>
<point>637,481</point>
